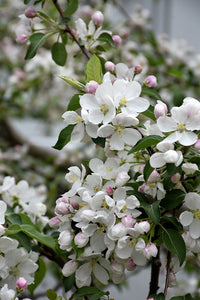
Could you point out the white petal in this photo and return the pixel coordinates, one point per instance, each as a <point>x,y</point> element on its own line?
<point>83,271</point>
<point>116,142</point>
<point>105,130</point>
<point>164,146</point>
<point>179,114</point>
<point>166,124</point>
<point>157,160</point>
<point>186,218</point>
<point>3,207</point>
<point>187,138</point>
<point>100,273</point>
<point>192,200</point>
<point>131,136</point>
<point>70,117</point>
<point>78,133</point>
<point>195,229</point>
<point>88,101</point>
<point>91,130</point>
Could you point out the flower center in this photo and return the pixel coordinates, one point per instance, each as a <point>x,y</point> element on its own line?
<point>79,119</point>
<point>131,243</point>
<point>109,169</point>
<point>197,214</point>
<point>101,229</point>
<point>104,108</point>
<point>123,101</point>
<point>119,129</point>
<point>96,188</point>
<point>15,271</point>
<point>181,127</point>
<point>72,178</point>
<point>104,204</point>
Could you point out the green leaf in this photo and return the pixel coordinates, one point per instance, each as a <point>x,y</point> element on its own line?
<point>74,103</point>
<point>64,137</point>
<point>171,221</point>
<point>152,210</point>
<point>78,85</point>
<point>160,297</point>
<point>106,37</point>
<point>174,243</point>
<point>68,282</point>
<point>146,142</point>
<point>14,228</point>
<point>36,41</point>
<point>149,113</point>
<point>31,231</point>
<point>39,275</point>
<point>173,199</point>
<point>72,6</point>
<point>88,290</point>
<point>26,1</point>
<point>175,73</point>
<point>51,294</point>
<point>99,141</point>
<point>185,297</point>
<point>151,93</point>
<point>59,53</point>
<point>93,69</point>
<point>147,171</point>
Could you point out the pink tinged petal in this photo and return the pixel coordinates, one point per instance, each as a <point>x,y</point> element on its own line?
<point>186,218</point>
<point>187,138</point>
<point>88,101</point>
<point>101,274</point>
<point>166,124</point>
<point>179,114</point>
<point>105,130</point>
<point>192,200</point>
<point>195,229</point>
<point>131,136</point>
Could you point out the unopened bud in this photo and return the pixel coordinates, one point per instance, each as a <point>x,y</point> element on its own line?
<point>80,240</point>
<point>154,177</point>
<point>21,284</point>
<point>130,265</point>
<point>175,178</point>
<point>109,190</point>
<point>69,268</point>
<point>197,145</point>
<point>128,221</point>
<point>61,208</point>
<point>21,39</point>
<point>160,109</point>
<point>121,178</point>
<point>98,18</point>
<point>74,204</point>
<point>117,40</point>
<point>91,87</point>
<point>189,168</point>
<point>30,12</point>
<point>54,222</point>
<point>110,67</point>
<point>150,81</point>
<point>138,69</point>
<point>150,250</point>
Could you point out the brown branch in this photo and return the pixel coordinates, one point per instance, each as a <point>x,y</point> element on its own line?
<point>155,271</point>
<point>70,31</point>
<point>168,272</point>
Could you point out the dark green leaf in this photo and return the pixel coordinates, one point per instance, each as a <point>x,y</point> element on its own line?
<point>147,171</point>
<point>14,218</point>
<point>14,228</point>
<point>64,137</point>
<point>72,6</point>
<point>151,93</point>
<point>77,250</point>
<point>59,53</point>
<point>106,37</point>
<point>74,103</point>
<point>160,297</point>
<point>36,41</point>
<point>152,210</point>
<point>68,282</point>
<point>185,297</point>
<point>39,275</point>
<point>51,294</point>
<point>146,142</point>
<point>64,21</point>
<point>173,199</point>
<point>174,243</point>
<point>78,85</point>
<point>149,113</point>
<point>93,69</point>
<point>99,141</point>
<point>141,197</point>
<point>88,290</point>
<point>26,1</point>
<point>171,222</point>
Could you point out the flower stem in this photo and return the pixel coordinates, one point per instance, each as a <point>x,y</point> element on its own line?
<point>168,271</point>
<point>155,271</point>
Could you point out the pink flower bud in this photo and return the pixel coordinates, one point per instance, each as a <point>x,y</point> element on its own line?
<point>80,240</point>
<point>150,299</point>
<point>150,81</point>
<point>175,178</point>
<point>138,69</point>
<point>69,268</point>
<point>109,190</point>
<point>160,109</point>
<point>65,239</point>
<point>91,87</point>
<point>21,39</point>
<point>197,145</point>
<point>61,208</point>
<point>117,40</point>
<point>130,265</point>
<point>150,250</point>
<point>154,177</point>
<point>142,188</point>
<point>128,221</point>
<point>98,18</point>
<point>30,12</point>
<point>74,204</point>
<point>141,169</point>
<point>54,222</point>
<point>121,178</point>
<point>110,67</point>
<point>21,284</point>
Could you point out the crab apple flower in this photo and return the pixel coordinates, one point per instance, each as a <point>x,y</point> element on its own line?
<point>175,178</point>
<point>167,155</point>
<point>160,109</point>
<point>91,87</point>
<point>191,217</point>
<point>7,294</point>
<point>80,240</point>
<point>197,144</point>
<point>138,69</point>
<point>128,221</point>
<point>54,222</point>
<point>61,208</point>
<point>189,168</point>
<point>75,176</point>
<point>117,270</point>
<point>30,12</point>
<point>150,250</point>
<point>150,81</point>
<point>69,268</point>
<point>21,39</point>
<point>121,178</point>
<point>21,284</point>
<point>117,40</point>
<point>142,227</point>
<point>110,66</point>
<point>130,265</point>
<point>65,239</point>
<point>98,18</point>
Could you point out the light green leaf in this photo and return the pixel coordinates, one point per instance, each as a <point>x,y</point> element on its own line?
<point>51,294</point>
<point>64,137</point>
<point>39,275</point>
<point>174,243</point>
<point>146,142</point>
<point>36,40</point>
<point>59,53</point>
<point>74,103</point>
<point>72,6</point>
<point>93,69</point>
<point>78,85</point>
<point>106,37</point>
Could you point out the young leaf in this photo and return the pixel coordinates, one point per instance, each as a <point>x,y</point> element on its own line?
<point>151,93</point>
<point>106,37</point>
<point>72,6</point>
<point>152,210</point>
<point>59,53</point>
<point>99,141</point>
<point>36,41</point>
<point>39,275</point>
<point>173,199</point>
<point>68,282</point>
<point>174,243</point>
<point>51,294</point>
<point>147,171</point>
<point>78,85</point>
<point>146,142</point>
<point>93,69</point>
<point>88,290</point>
<point>64,137</point>
<point>74,103</point>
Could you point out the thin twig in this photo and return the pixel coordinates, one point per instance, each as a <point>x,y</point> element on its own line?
<point>70,31</point>
<point>168,272</point>
<point>155,271</point>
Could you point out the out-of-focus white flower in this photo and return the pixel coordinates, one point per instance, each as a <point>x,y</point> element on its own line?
<point>189,168</point>
<point>69,268</point>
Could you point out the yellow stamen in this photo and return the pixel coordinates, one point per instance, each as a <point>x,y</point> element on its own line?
<point>123,101</point>
<point>72,179</point>
<point>197,214</point>
<point>79,119</point>
<point>104,108</point>
<point>181,127</point>
<point>131,243</point>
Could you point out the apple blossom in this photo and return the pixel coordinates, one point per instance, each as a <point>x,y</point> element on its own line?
<point>98,18</point>
<point>160,109</point>
<point>150,81</point>
<point>21,284</point>
<point>110,66</point>
<point>91,87</point>
<point>30,12</point>
<point>117,40</point>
